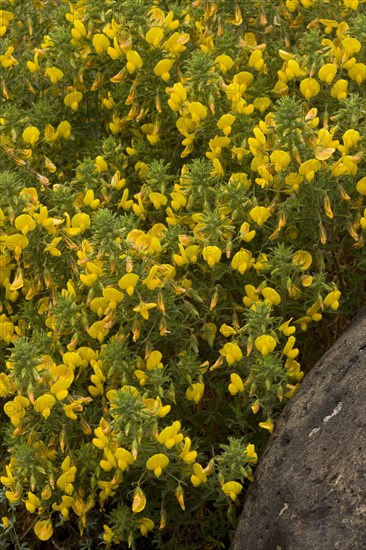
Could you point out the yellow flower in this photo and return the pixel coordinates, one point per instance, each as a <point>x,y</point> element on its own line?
<point>361,186</point>
<point>74,406</point>
<point>162,69</point>
<point>64,506</point>
<point>217,168</point>
<point>261,104</point>
<point>44,404</point>
<point>7,329</point>
<point>108,535</point>
<point>64,129</point>
<point>259,214</point>
<point>265,343</point>
<point>154,360</point>
<point>198,475</point>
<point>145,525</point>
<point>286,329</point>
<point>79,224</point>
<point>308,168</point>
<point>350,139</point>
<point>251,295</point>
<point>54,74</point>
<point>177,96</point>
<point>186,454</point>
<point>351,45</point>
<point>50,134</point>
<point>156,407</point>
<point>329,24</point>
<point>100,43</point>
<point>78,31</point>
<point>143,308</point>
<point>363,220</point>
<point>175,43</point>
<point>128,282</point>
<point>134,61</point>
<point>211,254</point>
<point>101,440</point>
<point>225,123</point>
<point>216,145</point>
<point>256,143</point>
<point>292,366</point>
<point>224,62</point>
<point>32,502</point>
<point>267,425</point>
<point>242,260</point>
<point>157,463</point>
<point>251,454</point>
<point>327,72</point>
<point>100,164</point>
<point>5,384</point>
<point>332,299</point>
<point>232,489</point>
<point>226,330</point>
<point>154,36</point>
<point>5,18</point>
<point>192,252</point>
<point>158,199</point>
<point>271,296</point>
<point>7,60</point>
<point>73,99</point>
<point>293,180</point>
<point>112,29</point>
<point>47,42</point>
<point>236,384</point>
<point>33,66</point>
<point>5,522</point>
<point>65,480</point>
<point>25,223</point>
<point>352,4</point>
<point>63,377</point>
<point>231,352</point>
<point>139,499</point>
<point>309,87</point>
<point>113,296</point>
<point>339,89</point>
<point>291,69</point>
<point>31,135</point>
<point>280,159</point>
<point>256,61</point>
<point>16,409</point>
<point>8,480</point>
<point>195,392</point>
<point>44,529</point>
<point>89,199</point>
<point>289,349</point>
<point>197,111</point>
<point>124,458</point>
<point>208,333</point>
<point>357,72</point>
<point>303,259</point>
<point>52,248</point>
<point>171,436</point>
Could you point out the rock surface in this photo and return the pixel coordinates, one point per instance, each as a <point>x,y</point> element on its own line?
<point>309,491</point>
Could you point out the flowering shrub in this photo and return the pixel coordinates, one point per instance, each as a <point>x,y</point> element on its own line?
<point>182,201</point>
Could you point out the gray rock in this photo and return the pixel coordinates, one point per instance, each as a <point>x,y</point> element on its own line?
<point>309,491</point>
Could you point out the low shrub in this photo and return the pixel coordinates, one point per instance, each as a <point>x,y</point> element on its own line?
<point>182,203</point>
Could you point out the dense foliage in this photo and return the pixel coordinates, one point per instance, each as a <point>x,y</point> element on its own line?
<point>182,194</point>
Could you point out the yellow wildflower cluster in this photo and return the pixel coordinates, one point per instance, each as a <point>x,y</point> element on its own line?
<point>181,202</point>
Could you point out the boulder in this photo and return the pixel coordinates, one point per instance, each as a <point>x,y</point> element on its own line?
<point>309,491</point>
